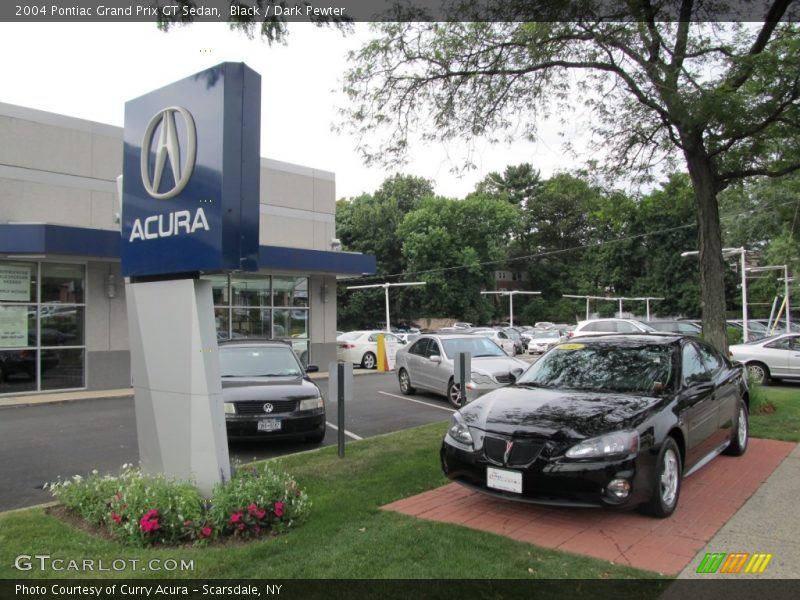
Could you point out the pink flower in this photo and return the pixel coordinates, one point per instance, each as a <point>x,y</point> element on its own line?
<point>206,532</point>
<point>279,509</point>
<point>252,508</point>
<point>241,526</point>
<point>148,522</point>
<point>260,514</point>
<point>116,518</point>
<point>236,517</point>
<point>257,529</point>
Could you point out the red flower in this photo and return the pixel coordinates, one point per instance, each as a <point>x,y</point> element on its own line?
<point>116,518</point>
<point>257,529</point>
<point>206,532</point>
<point>148,522</point>
<point>241,526</point>
<point>260,514</point>
<point>252,508</point>
<point>236,517</point>
<point>279,509</point>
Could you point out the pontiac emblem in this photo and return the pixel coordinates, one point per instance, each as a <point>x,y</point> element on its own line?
<point>507,453</point>
<point>268,408</point>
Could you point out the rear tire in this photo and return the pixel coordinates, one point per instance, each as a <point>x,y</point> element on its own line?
<point>404,379</point>
<point>368,361</point>
<point>758,372</point>
<point>666,482</point>
<point>741,432</point>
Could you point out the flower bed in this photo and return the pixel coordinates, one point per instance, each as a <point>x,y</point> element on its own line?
<point>147,509</point>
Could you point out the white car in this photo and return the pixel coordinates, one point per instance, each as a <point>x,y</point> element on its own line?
<point>542,341</point>
<point>603,326</point>
<point>361,347</point>
<point>773,357</point>
<point>501,338</point>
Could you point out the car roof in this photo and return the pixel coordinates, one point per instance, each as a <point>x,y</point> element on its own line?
<point>256,342</point>
<point>657,337</point>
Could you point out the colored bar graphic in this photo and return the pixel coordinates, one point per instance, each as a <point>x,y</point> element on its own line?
<point>733,563</point>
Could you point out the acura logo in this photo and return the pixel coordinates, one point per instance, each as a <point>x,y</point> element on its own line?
<point>268,408</point>
<point>168,146</point>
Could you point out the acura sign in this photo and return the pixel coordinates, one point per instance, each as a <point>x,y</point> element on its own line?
<point>191,167</point>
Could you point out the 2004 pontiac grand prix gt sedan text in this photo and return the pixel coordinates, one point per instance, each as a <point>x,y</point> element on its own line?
<point>612,421</point>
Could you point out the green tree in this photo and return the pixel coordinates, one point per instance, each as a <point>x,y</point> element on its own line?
<point>455,246</point>
<point>658,82</point>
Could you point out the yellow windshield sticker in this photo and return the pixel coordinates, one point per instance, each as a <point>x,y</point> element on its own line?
<point>571,346</point>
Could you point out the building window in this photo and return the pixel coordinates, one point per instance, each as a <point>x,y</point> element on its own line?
<point>42,326</point>
<point>262,306</point>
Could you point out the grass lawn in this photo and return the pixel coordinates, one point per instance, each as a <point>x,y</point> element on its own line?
<point>784,422</point>
<point>346,535</point>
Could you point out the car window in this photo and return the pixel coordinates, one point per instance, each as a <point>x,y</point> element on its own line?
<point>477,347</point>
<point>692,368</point>
<point>350,336</point>
<point>594,327</point>
<point>625,327</point>
<point>420,347</point>
<point>502,335</point>
<point>781,344</point>
<point>433,349</point>
<point>606,367</point>
<point>712,360</point>
<point>258,362</point>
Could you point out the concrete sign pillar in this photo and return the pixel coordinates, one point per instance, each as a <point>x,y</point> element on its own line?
<point>179,411</point>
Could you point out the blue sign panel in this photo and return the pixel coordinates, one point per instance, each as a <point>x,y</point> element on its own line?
<point>191,175</point>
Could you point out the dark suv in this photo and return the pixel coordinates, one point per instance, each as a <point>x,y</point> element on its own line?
<point>267,392</point>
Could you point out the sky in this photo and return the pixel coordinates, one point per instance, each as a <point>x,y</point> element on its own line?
<point>89,71</point>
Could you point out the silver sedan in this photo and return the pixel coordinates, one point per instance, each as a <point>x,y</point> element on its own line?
<point>774,357</point>
<point>429,364</point>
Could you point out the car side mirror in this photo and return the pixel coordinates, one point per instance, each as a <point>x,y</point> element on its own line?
<point>312,369</point>
<point>435,358</point>
<point>515,373</point>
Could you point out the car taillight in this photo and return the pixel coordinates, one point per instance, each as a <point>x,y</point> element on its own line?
<point>570,334</point>
<point>347,346</point>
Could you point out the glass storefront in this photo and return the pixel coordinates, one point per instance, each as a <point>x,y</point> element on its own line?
<point>42,326</point>
<point>263,307</point>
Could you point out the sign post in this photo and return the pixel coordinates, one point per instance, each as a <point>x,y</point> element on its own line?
<point>340,386</point>
<point>190,205</point>
<point>462,375</point>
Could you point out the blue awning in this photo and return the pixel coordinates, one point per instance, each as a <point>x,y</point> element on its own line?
<point>60,240</point>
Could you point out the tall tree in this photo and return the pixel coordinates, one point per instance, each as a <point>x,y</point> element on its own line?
<point>657,82</point>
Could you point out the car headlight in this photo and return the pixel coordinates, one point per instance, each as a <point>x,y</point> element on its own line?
<point>459,431</point>
<point>480,378</point>
<point>311,403</point>
<point>230,408</point>
<point>618,443</point>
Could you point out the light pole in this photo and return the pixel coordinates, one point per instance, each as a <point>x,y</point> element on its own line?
<point>511,295</point>
<point>731,252</point>
<point>385,287</point>
<point>786,280</point>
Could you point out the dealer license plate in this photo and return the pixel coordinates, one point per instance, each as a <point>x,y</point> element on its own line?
<point>500,479</point>
<point>269,425</point>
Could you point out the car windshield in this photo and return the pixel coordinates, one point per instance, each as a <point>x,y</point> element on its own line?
<point>476,346</point>
<point>258,362</point>
<point>628,369</point>
<point>547,334</point>
<point>350,335</point>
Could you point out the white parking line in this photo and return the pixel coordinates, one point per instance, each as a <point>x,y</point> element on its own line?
<point>352,435</point>
<point>450,410</point>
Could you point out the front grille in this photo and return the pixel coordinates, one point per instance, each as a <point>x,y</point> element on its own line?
<point>256,407</point>
<point>523,452</point>
<point>503,377</point>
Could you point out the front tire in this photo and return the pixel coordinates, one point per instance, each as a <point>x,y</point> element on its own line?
<point>667,482</point>
<point>454,394</point>
<point>741,432</point>
<point>368,361</point>
<point>758,372</point>
<point>404,379</point>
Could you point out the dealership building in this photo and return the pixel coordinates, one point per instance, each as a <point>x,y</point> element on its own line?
<point>63,320</point>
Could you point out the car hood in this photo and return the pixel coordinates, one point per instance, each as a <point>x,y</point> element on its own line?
<point>267,388</point>
<point>497,364</point>
<point>565,414</point>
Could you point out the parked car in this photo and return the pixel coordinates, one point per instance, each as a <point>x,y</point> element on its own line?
<point>23,362</point>
<point>267,394</point>
<point>520,345</point>
<point>613,421</point>
<point>676,326</point>
<point>361,347</point>
<point>499,337</point>
<point>773,357</point>
<point>605,326</point>
<point>428,364</point>
<point>541,341</point>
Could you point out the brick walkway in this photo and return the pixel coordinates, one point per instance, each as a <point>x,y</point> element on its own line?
<point>708,499</point>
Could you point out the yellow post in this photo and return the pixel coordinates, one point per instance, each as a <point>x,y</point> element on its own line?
<point>381,352</point>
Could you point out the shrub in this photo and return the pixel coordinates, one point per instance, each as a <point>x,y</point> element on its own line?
<point>146,509</point>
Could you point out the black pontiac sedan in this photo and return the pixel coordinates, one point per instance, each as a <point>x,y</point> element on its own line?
<point>614,421</point>
<point>267,393</point>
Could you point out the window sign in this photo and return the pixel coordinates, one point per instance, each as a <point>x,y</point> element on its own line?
<point>15,282</point>
<point>13,326</point>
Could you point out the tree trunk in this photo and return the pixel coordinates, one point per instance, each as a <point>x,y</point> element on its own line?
<point>712,280</point>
